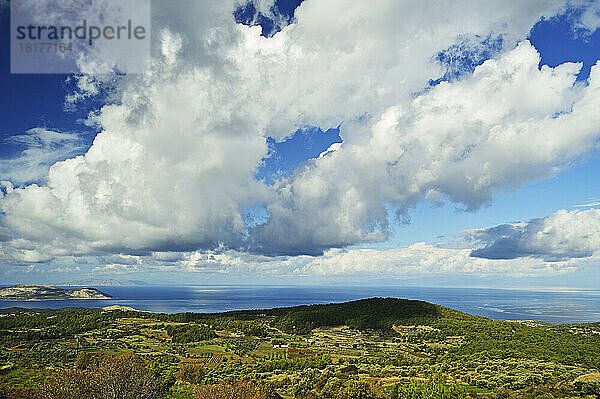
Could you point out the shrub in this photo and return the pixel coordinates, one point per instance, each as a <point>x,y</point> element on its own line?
<point>83,360</point>
<point>125,377</point>
<point>71,384</point>
<point>430,390</point>
<point>7,392</point>
<point>357,390</point>
<point>120,377</point>
<point>191,373</point>
<point>236,390</point>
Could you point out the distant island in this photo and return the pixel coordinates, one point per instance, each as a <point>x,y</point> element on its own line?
<point>101,283</point>
<point>33,292</point>
<point>94,282</point>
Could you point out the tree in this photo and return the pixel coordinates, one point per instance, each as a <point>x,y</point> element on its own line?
<point>83,360</point>
<point>71,384</point>
<point>125,377</point>
<point>191,373</point>
<point>120,377</point>
<point>236,390</point>
<point>7,392</point>
<point>357,390</point>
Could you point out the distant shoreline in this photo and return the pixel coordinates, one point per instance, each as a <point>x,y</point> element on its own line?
<point>34,292</point>
<point>56,299</point>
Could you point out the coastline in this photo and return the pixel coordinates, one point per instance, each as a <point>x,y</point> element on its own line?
<point>554,307</point>
<point>55,299</point>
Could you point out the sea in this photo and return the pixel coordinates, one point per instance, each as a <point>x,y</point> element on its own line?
<point>557,306</point>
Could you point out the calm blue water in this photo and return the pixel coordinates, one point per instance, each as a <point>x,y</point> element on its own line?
<point>556,307</point>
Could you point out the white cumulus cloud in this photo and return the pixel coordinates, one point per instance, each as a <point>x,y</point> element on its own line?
<point>41,149</point>
<point>174,164</point>
<point>562,235</point>
<point>506,124</point>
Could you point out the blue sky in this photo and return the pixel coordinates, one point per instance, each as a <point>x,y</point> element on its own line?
<point>276,209</point>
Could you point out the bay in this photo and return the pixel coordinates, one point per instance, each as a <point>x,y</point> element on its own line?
<point>568,306</point>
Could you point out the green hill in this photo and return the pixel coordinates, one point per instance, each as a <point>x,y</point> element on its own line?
<point>494,339</point>
<point>364,314</point>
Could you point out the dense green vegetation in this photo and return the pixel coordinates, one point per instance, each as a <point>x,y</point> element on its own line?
<point>373,314</point>
<point>377,348</point>
<point>190,333</point>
